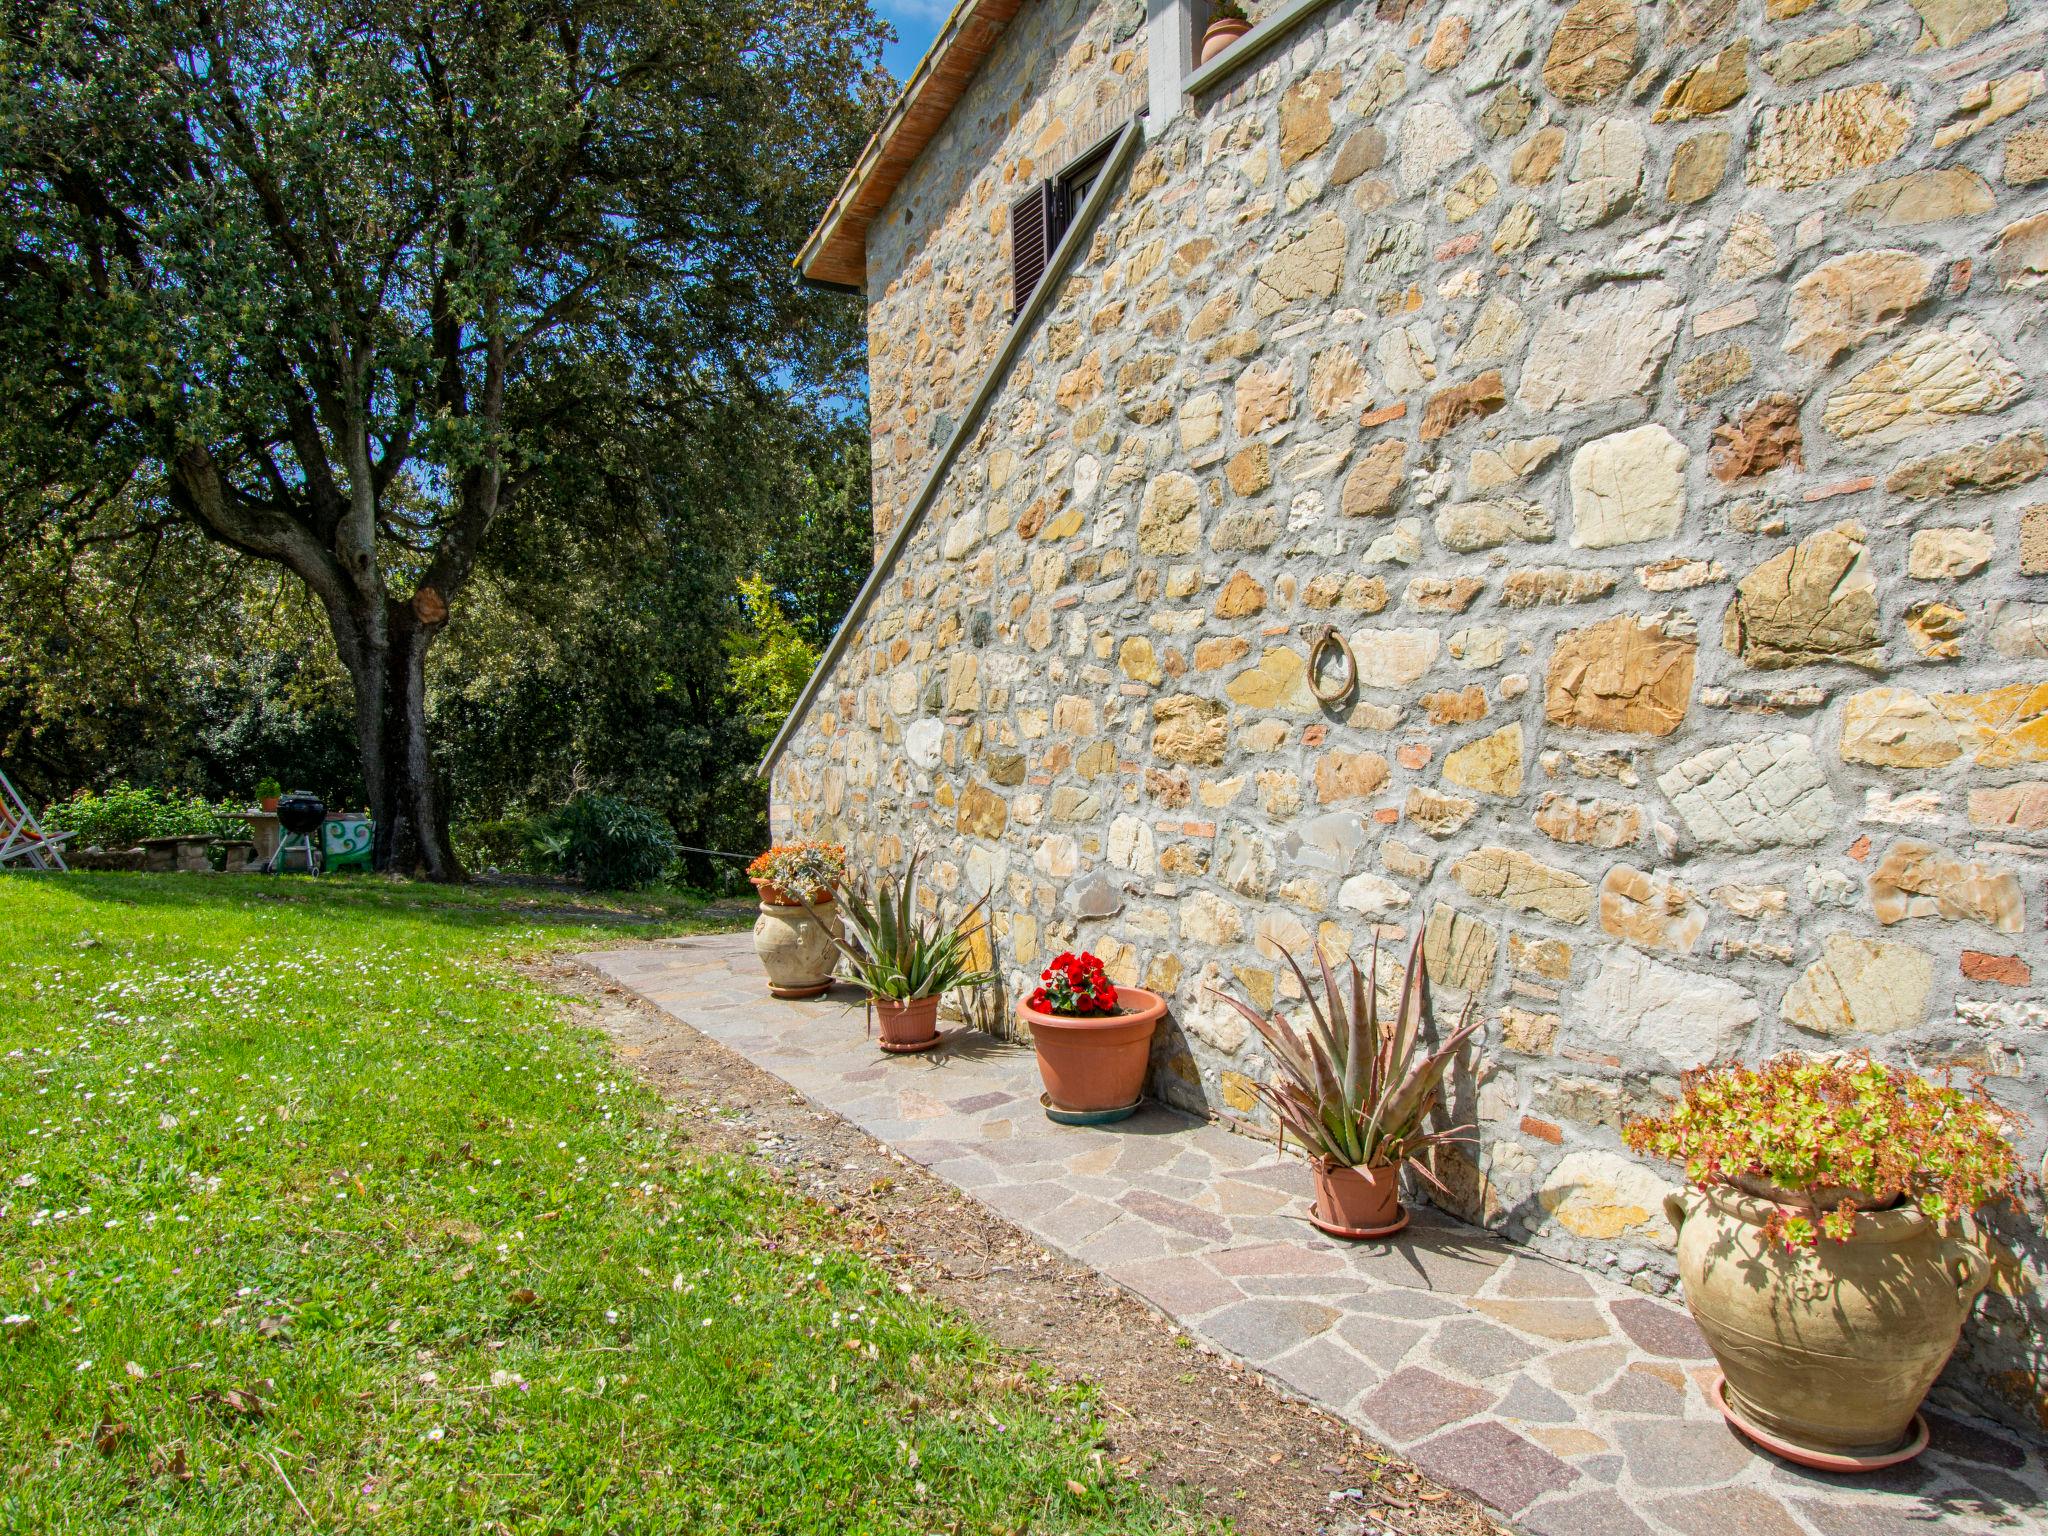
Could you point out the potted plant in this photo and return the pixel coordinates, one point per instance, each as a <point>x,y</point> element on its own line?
<point>267,791</point>
<point>905,961</point>
<point>798,921</point>
<point>1821,1249</point>
<point>1093,1040</point>
<point>1356,1090</point>
<point>1228,22</point>
<point>789,874</point>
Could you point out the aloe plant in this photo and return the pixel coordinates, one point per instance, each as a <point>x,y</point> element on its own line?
<point>1354,1089</point>
<point>898,953</point>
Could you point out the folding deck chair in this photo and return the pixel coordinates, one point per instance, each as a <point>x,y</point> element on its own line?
<point>22,836</point>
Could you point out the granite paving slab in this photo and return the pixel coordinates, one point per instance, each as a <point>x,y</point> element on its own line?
<point>1566,1401</point>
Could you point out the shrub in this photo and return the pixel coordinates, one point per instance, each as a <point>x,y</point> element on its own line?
<point>899,952</point>
<point>123,816</point>
<point>509,842</point>
<point>1843,1131</point>
<point>608,843</point>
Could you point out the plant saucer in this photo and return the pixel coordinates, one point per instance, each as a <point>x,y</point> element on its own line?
<point>1086,1116</point>
<point>1357,1234</point>
<point>1820,1461</point>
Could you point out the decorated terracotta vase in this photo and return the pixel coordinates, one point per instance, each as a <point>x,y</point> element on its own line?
<point>1827,1351</point>
<point>796,950</point>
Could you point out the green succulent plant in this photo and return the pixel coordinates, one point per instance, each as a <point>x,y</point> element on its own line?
<point>898,953</point>
<point>1354,1089</point>
<point>1827,1135</point>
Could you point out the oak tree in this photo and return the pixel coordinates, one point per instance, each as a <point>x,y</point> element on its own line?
<point>343,283</point>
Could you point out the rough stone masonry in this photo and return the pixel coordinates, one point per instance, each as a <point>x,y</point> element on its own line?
<point>1652,395</point>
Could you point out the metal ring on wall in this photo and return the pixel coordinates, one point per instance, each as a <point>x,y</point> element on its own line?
<point>1321,635</point>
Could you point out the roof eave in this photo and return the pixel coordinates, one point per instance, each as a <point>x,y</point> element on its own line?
<point>836,252</point>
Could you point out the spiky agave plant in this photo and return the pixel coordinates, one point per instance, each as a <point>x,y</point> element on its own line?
<point>898,953</point>
<point>1353,1089</point>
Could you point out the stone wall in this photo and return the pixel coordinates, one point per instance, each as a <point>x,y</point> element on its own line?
<point>938,256</point>
<point>1652,395</point>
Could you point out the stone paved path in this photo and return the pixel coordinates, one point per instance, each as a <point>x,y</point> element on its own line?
<point>1567,1402</point>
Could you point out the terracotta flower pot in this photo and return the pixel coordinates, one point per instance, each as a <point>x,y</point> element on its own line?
<point>773,895</point>
<point>268,803</point>
<point>1826,1351</point>
<point>908,1026</point>
<point>795,949</point>
<point>1358,1202</point>
<point>1096,1063</point>
<point>1221,33</point>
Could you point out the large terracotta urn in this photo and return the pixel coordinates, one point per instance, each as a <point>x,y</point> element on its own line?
<point>1095,1065</point>
<point>1826,1352</point>
<point>796,948</point>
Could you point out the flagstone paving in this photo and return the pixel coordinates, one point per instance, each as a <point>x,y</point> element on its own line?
<point>1568,1402</point>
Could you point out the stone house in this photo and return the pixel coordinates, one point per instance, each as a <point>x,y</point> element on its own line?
<point>1648,394</point>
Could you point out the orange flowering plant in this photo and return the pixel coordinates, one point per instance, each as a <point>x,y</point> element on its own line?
<point>790,872</point>
<point>1825,1138</point>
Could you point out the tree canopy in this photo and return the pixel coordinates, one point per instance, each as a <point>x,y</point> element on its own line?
<point>388,292</point>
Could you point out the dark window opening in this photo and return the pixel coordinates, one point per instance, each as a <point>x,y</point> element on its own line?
<point>1040,218</point>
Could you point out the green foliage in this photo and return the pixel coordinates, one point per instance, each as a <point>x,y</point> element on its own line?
<point>124,815</point>
<point>1836,1133</point>
<point>611,660</point>
<point>899,952</point>
<point>608,843</point>
<point>386,1222</point>
<point>503,842</point>
<point>768,661</point>
<point>166,660</point>
<point>1356,1091</point>
<point>817,532</point>
<point>349,289</point>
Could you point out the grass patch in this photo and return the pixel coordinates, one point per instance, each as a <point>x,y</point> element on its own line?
<point>315,1216</point>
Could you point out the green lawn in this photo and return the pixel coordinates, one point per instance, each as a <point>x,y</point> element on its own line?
<point>315,1217</point>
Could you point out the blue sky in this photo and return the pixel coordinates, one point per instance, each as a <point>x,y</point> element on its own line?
<point>916,23</point>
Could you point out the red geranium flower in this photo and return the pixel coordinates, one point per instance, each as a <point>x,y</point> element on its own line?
<point>1074,984</point>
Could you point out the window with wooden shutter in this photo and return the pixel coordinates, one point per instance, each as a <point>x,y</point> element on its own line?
<point>1035,226</point>
<point>1041,216</point>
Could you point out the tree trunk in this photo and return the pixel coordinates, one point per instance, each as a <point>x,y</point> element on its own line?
<point>386,657</point>
<point>381,643</point>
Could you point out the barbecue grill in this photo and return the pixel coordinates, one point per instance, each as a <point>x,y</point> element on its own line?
<point>301,812</point>
<point>299,815</point>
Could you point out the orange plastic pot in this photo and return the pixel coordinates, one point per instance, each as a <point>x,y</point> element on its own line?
<point>1357,1201</point>
<point>1096,1063</point>
<point>908,1026</point>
